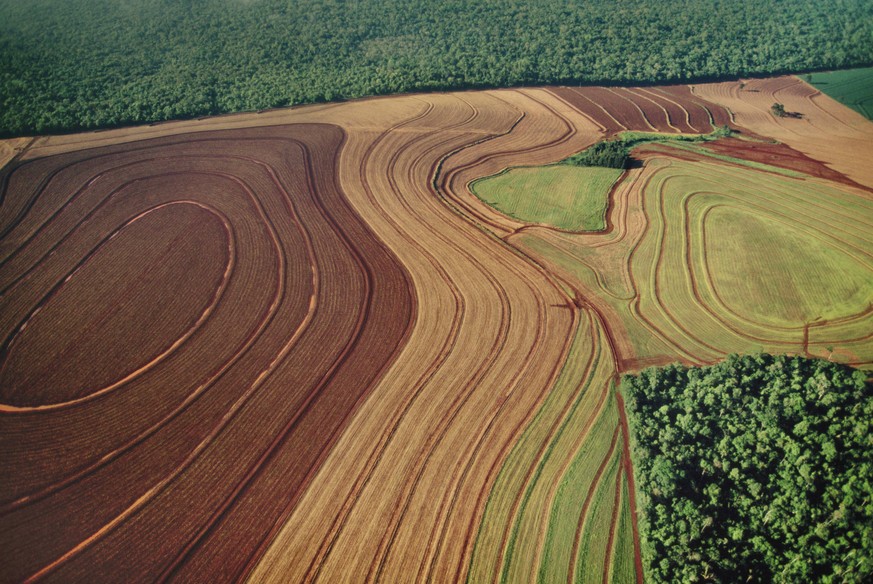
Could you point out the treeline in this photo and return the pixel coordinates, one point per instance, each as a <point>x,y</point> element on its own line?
<point>758,469</point>
<point>73,64</point>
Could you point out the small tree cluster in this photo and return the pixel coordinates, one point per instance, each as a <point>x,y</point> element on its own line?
<point>609,154</point>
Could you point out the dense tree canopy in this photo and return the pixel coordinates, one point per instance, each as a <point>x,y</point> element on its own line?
<point>67,64</point>
<point>758,469</point>
<point>608,153</point>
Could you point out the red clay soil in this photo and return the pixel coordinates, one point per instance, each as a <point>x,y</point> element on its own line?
<point>678,116</point>
<point>644,108</point>
<point>222,312</point>
<point>581,99</point>
<point>704,115</point>
<point>779,155</point>
<point>622,107</point>
<point>146,285</point>
<point>655,115</point>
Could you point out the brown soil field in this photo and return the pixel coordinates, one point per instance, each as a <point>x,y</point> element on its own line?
<point>293,346</point>
<point>189,323</point>
<point>650,109</point>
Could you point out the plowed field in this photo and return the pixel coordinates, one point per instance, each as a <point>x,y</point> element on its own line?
<point>295,347</point>
<point>188,324</point>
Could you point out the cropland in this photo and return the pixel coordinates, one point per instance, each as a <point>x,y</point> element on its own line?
<point>297,346</point>
<point>852,87</point>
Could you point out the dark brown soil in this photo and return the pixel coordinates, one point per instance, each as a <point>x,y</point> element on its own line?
<point>183,470</point>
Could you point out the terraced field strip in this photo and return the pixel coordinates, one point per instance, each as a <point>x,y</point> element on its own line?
<point>574,500</point>
<point>595,537</point>
<point>623,566</point>
<point>288,275</point>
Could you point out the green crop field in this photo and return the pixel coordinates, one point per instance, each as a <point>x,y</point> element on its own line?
<point>852,87</point>
<point>572,198</point>
<point>756,260</point>
<point>547,484</point>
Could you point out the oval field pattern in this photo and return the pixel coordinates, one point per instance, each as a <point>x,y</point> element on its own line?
<point>202,314</point>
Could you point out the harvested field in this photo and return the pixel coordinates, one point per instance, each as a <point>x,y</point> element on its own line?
<point>668,109</point>
<point>322,358</point>
<point>827,131</point>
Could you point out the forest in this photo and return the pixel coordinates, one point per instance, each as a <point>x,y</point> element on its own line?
<point>68,65</point>
<point>757,469</point>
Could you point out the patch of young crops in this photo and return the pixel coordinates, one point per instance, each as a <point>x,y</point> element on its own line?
<point>567,197</point>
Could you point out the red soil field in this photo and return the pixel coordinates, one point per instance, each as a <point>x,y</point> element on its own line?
<point>655,114</point>
<point>188,322</point>
<point>119,280</point>
<point>781,155</point>
<point>684,114</point>
<point>645,109</point>
<point>704,115</point>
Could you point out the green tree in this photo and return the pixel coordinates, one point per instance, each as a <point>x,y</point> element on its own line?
<point>758,469</point>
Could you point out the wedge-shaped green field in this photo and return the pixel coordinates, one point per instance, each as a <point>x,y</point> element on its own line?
<point>592,556</point>
<point>568,197</point>
<point>622,569</point>
<point>852,87</point>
